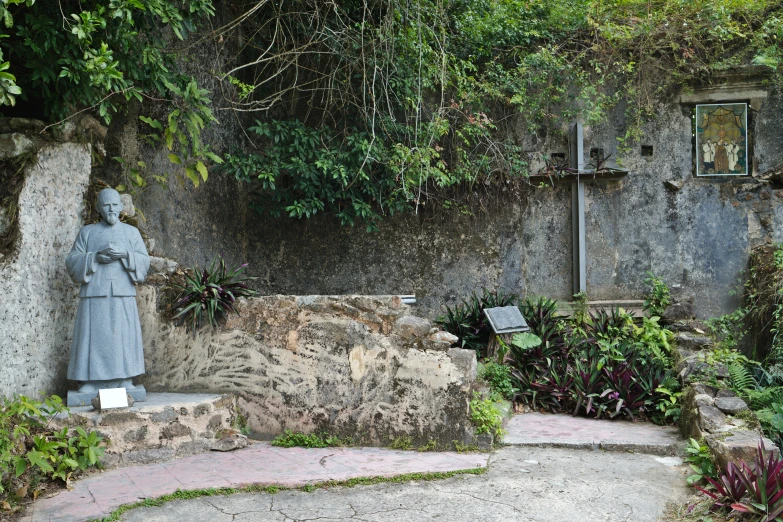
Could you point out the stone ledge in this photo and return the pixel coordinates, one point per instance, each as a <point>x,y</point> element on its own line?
<point>164,427</point>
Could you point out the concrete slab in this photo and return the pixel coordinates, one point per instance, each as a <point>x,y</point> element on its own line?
<point>567,431</point>
<point>522,485</point>
<point>97,495</point>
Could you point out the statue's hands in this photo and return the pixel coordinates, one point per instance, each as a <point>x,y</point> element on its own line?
<point>110,253</point>
<point>115,252</point>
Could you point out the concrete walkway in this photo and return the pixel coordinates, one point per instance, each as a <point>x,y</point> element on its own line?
<point>523,484</point>
<point>567,431</point>
<point>98,495</point>
<point>538,477</point>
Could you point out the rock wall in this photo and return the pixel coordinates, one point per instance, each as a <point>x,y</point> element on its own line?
<point>356,366</point>
<point>38,302</point>
<point>693,232</point>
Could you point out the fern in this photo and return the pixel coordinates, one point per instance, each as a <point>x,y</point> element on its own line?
<point>763,398</point>
<point>740,379</point>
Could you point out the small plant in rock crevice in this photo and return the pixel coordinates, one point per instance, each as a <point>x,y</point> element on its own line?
<point>498,376</point>
<point>290,439</point>
<point>659,298</point>
<point>403,442</point>
<point>210,293</point>
<point>699,458</point>
<point>486,416</point>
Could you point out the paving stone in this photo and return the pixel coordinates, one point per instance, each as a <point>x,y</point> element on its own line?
<point>567,431</point>
<point>260,463</point>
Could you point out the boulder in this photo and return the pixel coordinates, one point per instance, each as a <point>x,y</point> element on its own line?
<point>410,327</point>
<point>161,265</point>
<point>730,405</point>
<point>702,399</point>
<point>740,444</point>
<point>127,205</point>
<point>229,440</point>
<point>711,419</point>
<point>14,144</point>
<point>693,367</point>
<point>692,341</point>
<point>22,125</point>
<point>681,310</point>
<point>444,337</point>
<point>704,388</point>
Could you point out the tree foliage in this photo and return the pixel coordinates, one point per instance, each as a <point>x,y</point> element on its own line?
<point>405,99</point>
<point>72,55</point>
<point>439,93</point>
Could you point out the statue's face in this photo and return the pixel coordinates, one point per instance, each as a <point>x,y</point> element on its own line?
<point>109,206</point>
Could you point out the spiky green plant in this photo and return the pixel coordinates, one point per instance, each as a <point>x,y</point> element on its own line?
<point>210,293</point>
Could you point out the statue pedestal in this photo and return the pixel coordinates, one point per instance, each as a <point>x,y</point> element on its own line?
<point>76,398</point>
<point>166,426</point>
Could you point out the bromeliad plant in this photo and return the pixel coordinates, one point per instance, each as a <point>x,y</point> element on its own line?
<point>468,322</point>
<point>210,293</point>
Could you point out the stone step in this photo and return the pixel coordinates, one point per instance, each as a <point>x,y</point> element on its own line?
<point>164,427</point>
<point>566,431</point>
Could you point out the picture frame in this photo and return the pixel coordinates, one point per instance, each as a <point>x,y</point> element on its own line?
<point>722,139</point>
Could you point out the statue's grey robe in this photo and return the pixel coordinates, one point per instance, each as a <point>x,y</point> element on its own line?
<point>107,336</point>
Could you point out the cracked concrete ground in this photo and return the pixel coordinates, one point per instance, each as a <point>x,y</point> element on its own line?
<point>523,484</point>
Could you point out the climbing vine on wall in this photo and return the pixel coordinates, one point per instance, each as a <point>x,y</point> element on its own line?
<point>407,99</point>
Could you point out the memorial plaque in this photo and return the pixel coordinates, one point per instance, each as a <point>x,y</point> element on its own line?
<point>506,319</point>
<point>113,398</point>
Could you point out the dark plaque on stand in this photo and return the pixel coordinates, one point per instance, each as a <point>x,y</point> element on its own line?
<point>506,320</point>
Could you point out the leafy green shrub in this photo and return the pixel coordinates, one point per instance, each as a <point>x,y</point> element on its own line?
<point>403,442</point>
<point>486,416</point>
<point>699,458</point>
<point>604,366</point>
<point>31,450</point>
<point>210,293</point>
<point>468,322</point>
<point>498,376</point>
<point>290,439</point>
<point>658,299</point>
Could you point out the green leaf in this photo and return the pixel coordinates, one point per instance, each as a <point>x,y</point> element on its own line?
<point>21,466</point>
<point>38,459</point>
<point>202,170</point>
<point>155,124</point>
<point>525,340</point>
<point>192,175</point>
<point>175,159</point>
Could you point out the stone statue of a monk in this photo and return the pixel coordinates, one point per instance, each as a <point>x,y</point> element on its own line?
<point>107,259</point>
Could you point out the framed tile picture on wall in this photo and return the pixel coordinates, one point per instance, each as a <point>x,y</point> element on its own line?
<point>722,139</point>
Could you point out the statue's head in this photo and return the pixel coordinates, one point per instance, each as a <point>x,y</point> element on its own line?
<point>109,205</point>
